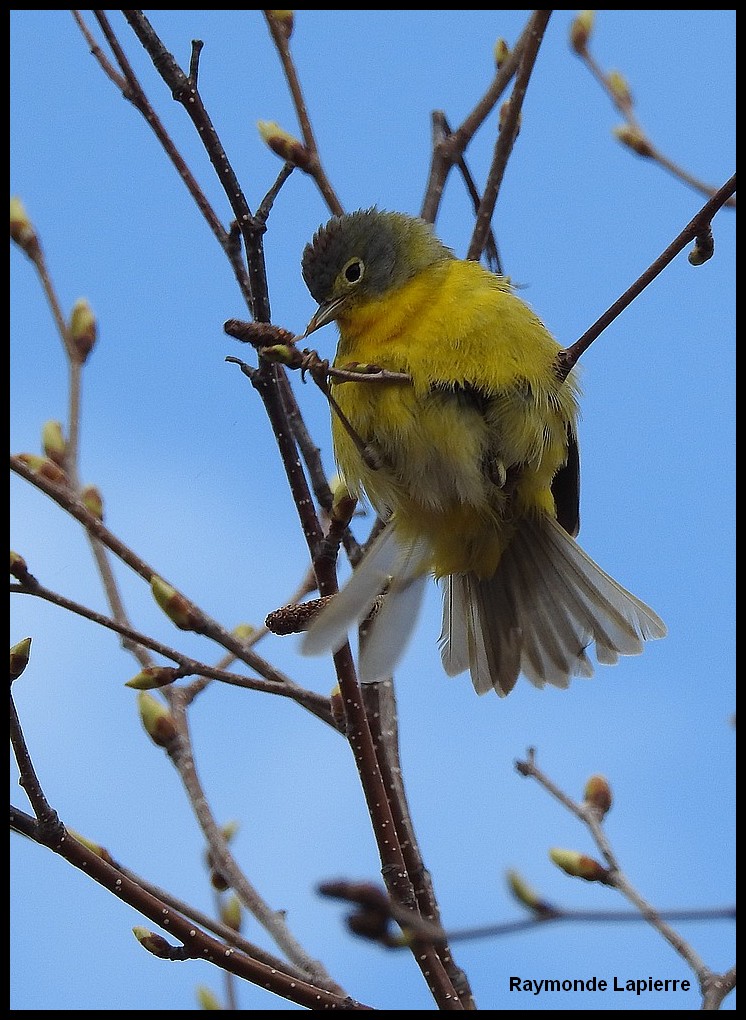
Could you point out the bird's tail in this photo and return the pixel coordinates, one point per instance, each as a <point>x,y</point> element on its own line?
<point>400,571</point>
<point>545,605</point>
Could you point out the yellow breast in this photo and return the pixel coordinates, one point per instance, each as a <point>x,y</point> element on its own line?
<point>478,435</point>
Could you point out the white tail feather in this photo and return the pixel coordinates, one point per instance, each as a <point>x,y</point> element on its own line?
<point>547,602</point>
<point>388,566</point>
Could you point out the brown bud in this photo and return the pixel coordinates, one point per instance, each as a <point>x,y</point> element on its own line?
<point>504,110</point>
<point>157,721</point>
<point>597,795</point>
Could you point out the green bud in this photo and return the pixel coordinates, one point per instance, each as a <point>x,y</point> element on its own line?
<point>619,88</point>
<point>287,146</point>
<point>229,830</point>
<point>207,999</point>
<point>157,721</point>
<point>579,865</point>
<point>153,677</point>
<point>22,229</point>
<point>634,139</point>
<point>82,329</point>
<point>173,604</point>
<point>93,501</point>
<point>95,848</point>
<point>154,944</point>
<point>19,656</point>
<point>580,31</point>
<point>502,52</point>
<point>230,913</point>
<point>244,632</point>
<point>18,566</point>
<point>338,708</point>
<point>523,891</point>
<point>44,467</point>
<point>284,21</point>
<point>53,442</point>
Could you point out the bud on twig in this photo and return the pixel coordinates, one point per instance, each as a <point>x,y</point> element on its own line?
<point>18,566</point>
<point>502,52</point>
<point>153,677</point>
<point>619,89</point>
<point>230,913</point>
<point>504,110</point>
<point>154,943</point>
<point>157,721</point>
<point>92,500</point>
<point>284,21</point>
<point>525,894</point>
<point>337,707</point>
<point>597,795</point>
<point>703,250</point>
<point>579,865</point>
<point>174,605</point>
<point>95,848</point>
<point>82,329</point>
<point>287,146</point>
<point>207,999</point>
<point>229,830</point>
<point>53,442</point>
<point>580,31</point>
<point>634,139</point>
<point>19,656</point>
<point>44,467</point>
<point>22,229</point>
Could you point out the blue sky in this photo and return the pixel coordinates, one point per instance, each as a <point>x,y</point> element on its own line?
<point>179,445</point>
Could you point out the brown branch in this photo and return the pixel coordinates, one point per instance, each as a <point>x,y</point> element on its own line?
<point>698,226</point>
<point>508,132</point>
<point>316,703</point>
<point>197,943</point>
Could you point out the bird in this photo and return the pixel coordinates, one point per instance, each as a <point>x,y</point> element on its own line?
<point>469,454</point>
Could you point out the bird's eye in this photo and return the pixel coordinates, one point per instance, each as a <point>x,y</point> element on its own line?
<point>353,271</point>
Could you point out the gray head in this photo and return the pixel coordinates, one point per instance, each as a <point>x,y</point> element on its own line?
<point>364,254</point>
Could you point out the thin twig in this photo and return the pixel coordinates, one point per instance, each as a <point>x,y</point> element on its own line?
<point>636,138</point>
<point>698,225</point>
<point>615,877</point>
<point>508,132</point>
<point>188,666</point>
<point>281,39</point>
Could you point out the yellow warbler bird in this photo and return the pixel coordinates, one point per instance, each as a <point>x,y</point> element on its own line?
<point>473,461</point>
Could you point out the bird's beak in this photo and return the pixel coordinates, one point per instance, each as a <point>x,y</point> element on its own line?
<point>325,314</point>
